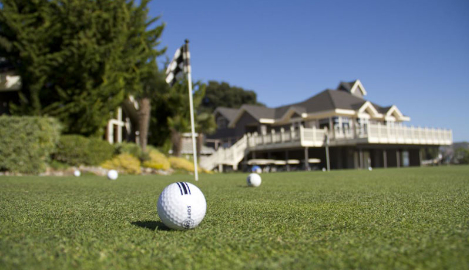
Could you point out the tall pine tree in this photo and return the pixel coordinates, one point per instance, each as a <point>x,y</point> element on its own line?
<point>78,59</point>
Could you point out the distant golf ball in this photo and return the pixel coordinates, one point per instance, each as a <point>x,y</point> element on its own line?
<point>77,173</point>
<point>323,169</point>
<point>370,169</point>
<point>254,180</point>
<point>112,174</point>
<point>181,206</point>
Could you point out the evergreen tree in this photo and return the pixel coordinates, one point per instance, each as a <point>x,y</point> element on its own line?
<point>143,40</point>
<point>224,95</point>
<point>172,113</point>
<point>78,59</point>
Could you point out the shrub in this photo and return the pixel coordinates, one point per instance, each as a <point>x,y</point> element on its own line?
<point>178,163</point>
<point>124,163</point>
<point>76,150</point>
<point>157,161</point>
<point>128,148</point>
<point>98,151</point>
<point>27,142</point>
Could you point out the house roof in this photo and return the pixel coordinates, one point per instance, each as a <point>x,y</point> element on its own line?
<point>346,86</point>
<point>259,112</point>
<point>327,100</point>
<point>228,113</point>
<point>324,101</point>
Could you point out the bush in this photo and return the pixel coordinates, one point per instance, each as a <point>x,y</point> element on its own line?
<point>182,164</point>
<point>27,142</point>
<point>157,161</point>
<point>98,151</point>
<point>132,149</point>
<point>76,150</point>
<point>124,163</point>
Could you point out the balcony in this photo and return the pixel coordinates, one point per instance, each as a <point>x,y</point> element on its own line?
<point>368,134</point>
<point>313,137</point>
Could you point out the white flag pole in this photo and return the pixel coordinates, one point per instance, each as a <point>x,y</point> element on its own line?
<point>194,148</point>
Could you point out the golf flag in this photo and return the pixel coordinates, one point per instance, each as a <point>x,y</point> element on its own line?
<point>179,66</point>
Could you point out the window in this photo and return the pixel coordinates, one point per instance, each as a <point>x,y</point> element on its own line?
<point>221,122</point>
<point>363,125</point>
<point>346,124</point>
<point>324,123</point>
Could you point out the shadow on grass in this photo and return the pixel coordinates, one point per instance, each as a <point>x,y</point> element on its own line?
<point>151,225</point>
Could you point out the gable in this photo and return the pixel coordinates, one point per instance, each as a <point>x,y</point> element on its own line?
<point>395,113</point>
<point>295,115</point>
<point>368,108</point>
<point>355,88</point>
<point>245,119</point>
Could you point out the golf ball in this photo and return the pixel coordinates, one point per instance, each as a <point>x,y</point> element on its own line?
<point>370,169</point>
<point>254,180</point>
<point>77,173</point>
<point>112,174</point>
<point>181,206</point>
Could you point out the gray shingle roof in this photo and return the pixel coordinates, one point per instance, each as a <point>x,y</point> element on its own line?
<point>347,86</point>
<point>228,113</point>
<point>326,100</point>
<point>259,112</point>
<point>380,109</point>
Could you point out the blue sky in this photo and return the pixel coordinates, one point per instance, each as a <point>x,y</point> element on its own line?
<point>413,54</point>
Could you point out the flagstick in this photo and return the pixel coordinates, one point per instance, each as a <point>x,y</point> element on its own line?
<point>194,148</point>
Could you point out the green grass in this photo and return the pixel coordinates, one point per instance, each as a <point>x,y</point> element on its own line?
<point>413,218</point>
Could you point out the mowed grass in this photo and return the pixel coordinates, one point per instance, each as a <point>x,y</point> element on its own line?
<point>412,218</point>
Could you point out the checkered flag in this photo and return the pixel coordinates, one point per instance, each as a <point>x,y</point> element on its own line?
<point>179,65</point>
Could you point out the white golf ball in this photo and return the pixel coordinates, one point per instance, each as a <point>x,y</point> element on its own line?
<point>77,173</point>
<point>370,169</point>
<point>181,206</point>
<point>254,180</point>
<point>112,174</point>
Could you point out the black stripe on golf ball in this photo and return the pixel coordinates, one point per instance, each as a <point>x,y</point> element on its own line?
<point>180,189</point>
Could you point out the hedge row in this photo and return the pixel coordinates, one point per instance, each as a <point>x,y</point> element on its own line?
<point>27,145</point>
<point>27,142</point>
<point>76,150</point>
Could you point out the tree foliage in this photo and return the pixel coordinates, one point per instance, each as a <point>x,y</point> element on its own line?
<point>224,95</point>
<point>461,156</point>
<point>171,114</point>
<point>78,59</point>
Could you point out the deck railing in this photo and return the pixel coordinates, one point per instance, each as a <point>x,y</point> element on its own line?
<point>384,134</point>
<point>381,134</point>
<point>314,137</point>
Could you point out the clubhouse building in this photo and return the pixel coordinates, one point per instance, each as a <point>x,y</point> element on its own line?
<point>336,129</point>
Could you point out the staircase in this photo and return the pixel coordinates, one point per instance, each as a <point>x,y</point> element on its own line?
<point>226,156</point>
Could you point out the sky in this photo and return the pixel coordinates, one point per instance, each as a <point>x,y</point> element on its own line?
<point>413,53</point>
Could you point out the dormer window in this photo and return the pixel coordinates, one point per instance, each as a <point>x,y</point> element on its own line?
<point>355,88</point>
<point>222,122</point>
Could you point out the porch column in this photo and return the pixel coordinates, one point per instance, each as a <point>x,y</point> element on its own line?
<point>385,159</point>
<point>420,157</point>
<point>286,159</point>
<point>398,159</point>
<point>306,159</point>
<point>110,132</point>
<point>120,124</point>
<point>360,159</point>
<point>328,162</point>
